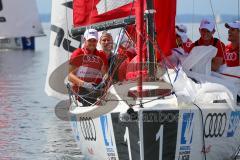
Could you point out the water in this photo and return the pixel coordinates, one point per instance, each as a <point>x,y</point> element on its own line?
<point>29,128</point>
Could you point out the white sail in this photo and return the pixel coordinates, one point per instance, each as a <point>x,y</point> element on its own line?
<point>61,45</point>
<point>19,19</point>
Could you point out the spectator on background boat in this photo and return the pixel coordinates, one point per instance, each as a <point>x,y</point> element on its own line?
<point>207,30</point>
<point>87,66</point>
<point>183,43</point>
<point>232,53</point>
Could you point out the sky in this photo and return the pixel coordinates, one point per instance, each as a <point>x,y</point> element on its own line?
<point>44,6</point>
<point>202,7</point>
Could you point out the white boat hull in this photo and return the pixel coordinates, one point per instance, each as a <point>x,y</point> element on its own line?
<point>162,131</point>
<point>199,121</point>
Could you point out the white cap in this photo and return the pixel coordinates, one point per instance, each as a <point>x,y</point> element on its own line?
<point>91,34</point>
<point>235,24</point>
<point>207,24</point>
<point>181,30</point>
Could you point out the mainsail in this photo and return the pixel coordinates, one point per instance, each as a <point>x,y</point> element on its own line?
<point>61,45</point>
<point>20,21</point>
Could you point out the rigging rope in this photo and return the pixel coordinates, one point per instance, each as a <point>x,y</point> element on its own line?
<point>238,10</point>
<point>218,33</point>
<point>193,17</point>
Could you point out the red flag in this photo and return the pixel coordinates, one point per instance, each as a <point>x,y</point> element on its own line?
<point>165,24</point>
<point>85,12</point>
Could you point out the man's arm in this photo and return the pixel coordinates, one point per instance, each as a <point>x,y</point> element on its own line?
<point>75,80</point>
<point>216,63</point>
<point>72,76</point>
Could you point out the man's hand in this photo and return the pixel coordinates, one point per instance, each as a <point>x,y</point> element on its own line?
<point>87,85</point>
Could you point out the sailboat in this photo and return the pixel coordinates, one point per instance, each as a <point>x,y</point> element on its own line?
<point>188,114</point>
<point>19,25</point>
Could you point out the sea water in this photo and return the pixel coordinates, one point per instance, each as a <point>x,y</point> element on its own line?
<point>29,127</point>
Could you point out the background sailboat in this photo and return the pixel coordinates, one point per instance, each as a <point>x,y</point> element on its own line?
<point>19,24</point>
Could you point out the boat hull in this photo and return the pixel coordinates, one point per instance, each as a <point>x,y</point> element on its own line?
<point>161,132</point>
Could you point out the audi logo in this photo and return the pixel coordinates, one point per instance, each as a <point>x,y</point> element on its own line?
<point>231,56</point>
<point>91,58</point>
<point>215,124</point>
<point>88,128</point>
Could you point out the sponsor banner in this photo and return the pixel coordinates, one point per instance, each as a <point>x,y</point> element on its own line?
<point>160,134</point>
<point>186,135</point>
<point>218,129</point>
<point>108,137</point>
<point>234,124</point>
<point>215,124</point>
<point>91,138</point>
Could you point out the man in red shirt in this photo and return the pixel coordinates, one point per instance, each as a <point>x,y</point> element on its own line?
<point>106,42</point>
<point>232,49</point>
<point>87,65</point>
<point>182,39</point>
<point>207,30</point>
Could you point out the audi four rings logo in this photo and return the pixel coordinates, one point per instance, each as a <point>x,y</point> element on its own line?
<point>215,124</point>
<point>231,56</point>
<point>88,128</point>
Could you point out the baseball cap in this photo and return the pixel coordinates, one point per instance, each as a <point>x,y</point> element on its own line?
<point>207,24</point>
<point>235,24</point>
<point>181,30</point>
<point>91,34</point>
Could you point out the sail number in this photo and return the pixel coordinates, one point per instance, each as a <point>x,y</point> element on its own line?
<point>159,136</point>
<point>62,40</point>
<point>127,139</point>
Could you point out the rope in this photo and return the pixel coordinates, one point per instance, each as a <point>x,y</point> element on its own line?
<point>218,33</point>
<point>203,138</point>
<point>193,17</point>
<point>238,11</point>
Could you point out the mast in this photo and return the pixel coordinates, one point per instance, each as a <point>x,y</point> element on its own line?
<point>151,33</point>
<point>139,28</point>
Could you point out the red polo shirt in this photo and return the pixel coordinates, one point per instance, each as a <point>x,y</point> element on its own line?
<point>219,45</point>
<point>232,56</point>
<point>89,64</point>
